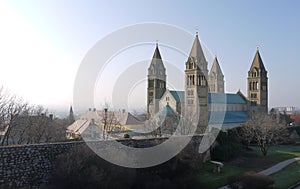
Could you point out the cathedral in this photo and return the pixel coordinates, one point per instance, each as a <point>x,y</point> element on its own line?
<point>204,91</point>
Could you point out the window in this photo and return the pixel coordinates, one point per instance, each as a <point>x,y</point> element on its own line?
<point>190,101</point>
<point>190,92</point>
<point>253,95</point>
<point>167,98</point>
<point>203,83</point>
<point>151,83</point>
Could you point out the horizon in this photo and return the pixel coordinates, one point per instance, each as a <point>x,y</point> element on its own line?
<point>44,43</point>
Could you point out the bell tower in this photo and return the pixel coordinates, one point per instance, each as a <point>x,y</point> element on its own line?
<point>196,88</point>
<point>258,85</point>
<point>216,78</point>
<point>156,83</point>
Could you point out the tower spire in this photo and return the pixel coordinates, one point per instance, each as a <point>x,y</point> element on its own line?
<point>156,83</point>
<point>216,77</point>
<point>197,55</point>
<point>258,85</point>
<point>71,115</point>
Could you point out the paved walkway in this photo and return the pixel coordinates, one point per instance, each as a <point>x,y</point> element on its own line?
<point>274,168</point>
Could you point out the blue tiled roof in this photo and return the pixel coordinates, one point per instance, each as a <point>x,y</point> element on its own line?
<point>217,98</point>
<point>225,98</point>
<point>178,95</point>
<point>228,117</point>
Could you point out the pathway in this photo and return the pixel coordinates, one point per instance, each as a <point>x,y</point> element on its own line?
<point>274,168</point>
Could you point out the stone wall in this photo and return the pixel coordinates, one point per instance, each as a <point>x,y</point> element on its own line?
<point>30,165</point>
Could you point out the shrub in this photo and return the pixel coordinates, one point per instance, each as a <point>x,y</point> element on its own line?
<point>296,128</point>
<point>126,135</point>
<point>225,152</point>
<point>82,168</point>
<point>228,146</point>
<point>250,180</point>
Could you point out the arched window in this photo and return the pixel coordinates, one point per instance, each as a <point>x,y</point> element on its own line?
<point>193,80</point>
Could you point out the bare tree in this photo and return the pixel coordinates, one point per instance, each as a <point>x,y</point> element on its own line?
<point>246,134</point>
<point>11,109</point>
<point>110,122</point>
<point>163,124</point>
<point>188,124</point>
<point>264,130</point>
<point>21,123</point>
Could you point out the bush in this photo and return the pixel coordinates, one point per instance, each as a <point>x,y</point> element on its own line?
<point>225,152</point>
<point>297,128</point>
<point>82,168</point>
<point>228,147</point>
<point>250,180</point>
<point>126,135</point>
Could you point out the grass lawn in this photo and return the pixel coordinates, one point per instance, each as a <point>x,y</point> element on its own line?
<point>253,161</point>
<point>208,179</point>
<point>287,177</point>
<point>281,152</point>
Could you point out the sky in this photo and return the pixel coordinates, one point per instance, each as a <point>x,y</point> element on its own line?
<point>42,44</point>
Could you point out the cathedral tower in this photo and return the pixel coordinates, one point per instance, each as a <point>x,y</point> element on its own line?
<point>196,88</point>
<point>71,117</point>
<point>216,78</point>
<point>258,85</point>
<point>156,83</point>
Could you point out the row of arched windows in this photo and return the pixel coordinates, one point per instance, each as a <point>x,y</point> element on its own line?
<point>195,80</point>
<point>190,65</point>
<point>253,85</point>
<point>254,73</point>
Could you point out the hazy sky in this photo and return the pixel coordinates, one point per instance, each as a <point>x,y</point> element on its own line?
<point>42,43</point>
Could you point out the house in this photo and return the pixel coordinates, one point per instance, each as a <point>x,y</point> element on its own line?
<point>97,124</point>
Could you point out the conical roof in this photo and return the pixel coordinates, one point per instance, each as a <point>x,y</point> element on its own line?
<point>257,62</point>
<point>156,54</point>
<point>156,58</point>
<point>197,53</point>
<point>157,68</point>
<point>216,67</point>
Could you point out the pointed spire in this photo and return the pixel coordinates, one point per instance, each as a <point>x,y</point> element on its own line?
<point>197,55</point>
<point>257,61</point>
<point>216,67</point>
<point>71,115</point>
<point>157,68</point>
<point>156,54</point>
